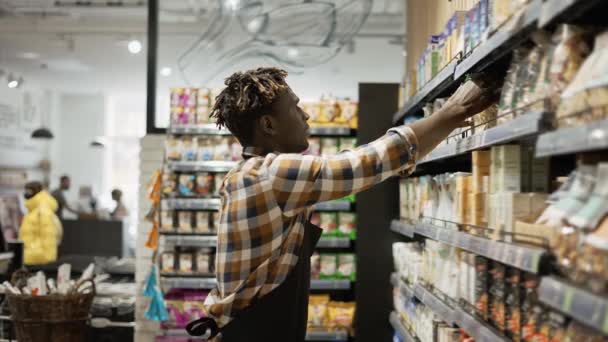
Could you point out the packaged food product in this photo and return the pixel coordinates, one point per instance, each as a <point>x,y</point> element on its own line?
<point>509,96</point>
<point>216,220</point>
<point>166,221</point>
<point>169,183</point>
<point>173,149</point>
<point>203,97</point>
<point>347,224</point>
<point>513,304</point>
<point>348,113</point>
<point>314,146</point>
<point>570,52</point>
<point>222,150</point>
<point>587,93</point>
<point>217,183</point>
<point>204,182</point>
<point>317,311</point>
<point>185,262</point>
<point>579,333</point>
<point>348,144</point>
<point>184,221</point>
<point>498,295</point>
<point>315,266</point>
<point>185,116</point>
<point>341,314</point>
<point>328,266</point>
<point>189,149</point>
<point>167,262</point>
<point>557,326</point>
<point>205,149</point>
<point>329,146</point>
<point>329,223</point>
<point>186,184</point>
<point>330,110</point>
<point>203,261</point>
<point>314,111</point>
<point>176,95</point>
<point>592,263</point>
<point>202,222</point>
<point>346,266</point>
<point>481,286</point>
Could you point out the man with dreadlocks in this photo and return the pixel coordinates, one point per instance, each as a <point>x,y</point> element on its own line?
<point>265,238</point>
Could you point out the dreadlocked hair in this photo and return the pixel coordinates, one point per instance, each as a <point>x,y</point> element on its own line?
<point>247,96</point>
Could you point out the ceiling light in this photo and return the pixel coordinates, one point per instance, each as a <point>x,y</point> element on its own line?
<point>13,82</point>
<point>42,133</point>
<point>134,46</point>
<point>30,55</point>
<point>293,53</point>
<point>233,4</point>
<point>166,71</point>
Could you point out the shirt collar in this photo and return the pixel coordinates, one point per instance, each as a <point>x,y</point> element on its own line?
<point>253,151</point>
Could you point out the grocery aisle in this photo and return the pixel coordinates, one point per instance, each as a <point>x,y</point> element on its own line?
<point>502,226</point>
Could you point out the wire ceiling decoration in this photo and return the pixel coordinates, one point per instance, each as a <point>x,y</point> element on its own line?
<point>294,34</point>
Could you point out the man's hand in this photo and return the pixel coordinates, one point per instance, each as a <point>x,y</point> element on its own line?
<point>469,99</point>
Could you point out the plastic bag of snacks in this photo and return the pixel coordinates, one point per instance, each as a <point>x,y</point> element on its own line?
<point>588,91</point>
<point>328,266</point>
<point>508,98</point>
<point>317,311</point>
<point>329,223</point>
<point>341,314</point>
<point>346,266</point>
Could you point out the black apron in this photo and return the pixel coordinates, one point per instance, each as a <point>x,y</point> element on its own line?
<point>282,314</point>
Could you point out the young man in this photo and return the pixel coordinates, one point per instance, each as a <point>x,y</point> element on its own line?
<point>265,238</point>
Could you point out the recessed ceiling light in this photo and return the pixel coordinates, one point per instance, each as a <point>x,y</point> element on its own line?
<point>166,71</point>
<point>13,82</point>
<point>134,46</point>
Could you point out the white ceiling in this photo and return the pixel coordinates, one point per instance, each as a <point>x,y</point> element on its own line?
<point>84,47</point>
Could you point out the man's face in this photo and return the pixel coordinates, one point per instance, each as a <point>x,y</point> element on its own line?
<point>65,184</point>
<point>291,121</point>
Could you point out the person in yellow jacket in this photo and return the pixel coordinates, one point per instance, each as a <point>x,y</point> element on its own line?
<point>41,230</point>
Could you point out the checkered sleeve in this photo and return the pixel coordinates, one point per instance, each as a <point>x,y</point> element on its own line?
<point>300,181</point>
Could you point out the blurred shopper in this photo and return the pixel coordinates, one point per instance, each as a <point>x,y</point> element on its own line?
<point>41,230</point>
<point>120,211</point>
<point>59,195</point>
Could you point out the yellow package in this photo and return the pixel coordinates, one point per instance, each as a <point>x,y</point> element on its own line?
<point>317,310</point>
<point>341,314</point>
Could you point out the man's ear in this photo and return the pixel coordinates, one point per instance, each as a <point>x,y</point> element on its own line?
<point>268,125</point>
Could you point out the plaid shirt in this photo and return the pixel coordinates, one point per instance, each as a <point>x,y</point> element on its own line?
<point>266,200</point>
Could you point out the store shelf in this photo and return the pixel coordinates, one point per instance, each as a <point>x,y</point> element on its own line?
<point>522,257</point>
<point>479,330</point>
<point>177,332</point>
<point>523,126</point>
<point>587,308</point>
<point>188,282</point>
<point>500,43</point>
<point>439,307</point>
<point>404,288</point>
<point>190,240</point>
<point>206,129</point>
<point>191,203</point>
<point>334,242</point>
<point>321,284</point>
<point>201,166</point>
<point>432,89</point>
<point>553,10</point>
<point>331,130</point>
<point>400,329</point>
<point>339,335</point>
<point>590,137</point>
<point>404,228</point>
<point>338,205</point>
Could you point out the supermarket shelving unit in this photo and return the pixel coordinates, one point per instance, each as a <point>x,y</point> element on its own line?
<point>577,303</point>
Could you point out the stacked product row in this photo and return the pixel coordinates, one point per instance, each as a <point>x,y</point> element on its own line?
<point>325,314</point>
<point>333,266</point>
<point>332,111</point>
<point>506,185</point>
<point>341,224</point>
<point>187,261</point>
<point>329,146</point>
<point>502,296</point>
<point>188,148</point>
<point>189,222</point>
<point>185,184</point>
<point>191,106</point>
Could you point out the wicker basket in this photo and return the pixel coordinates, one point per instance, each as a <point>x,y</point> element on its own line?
<point>51,318</point>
